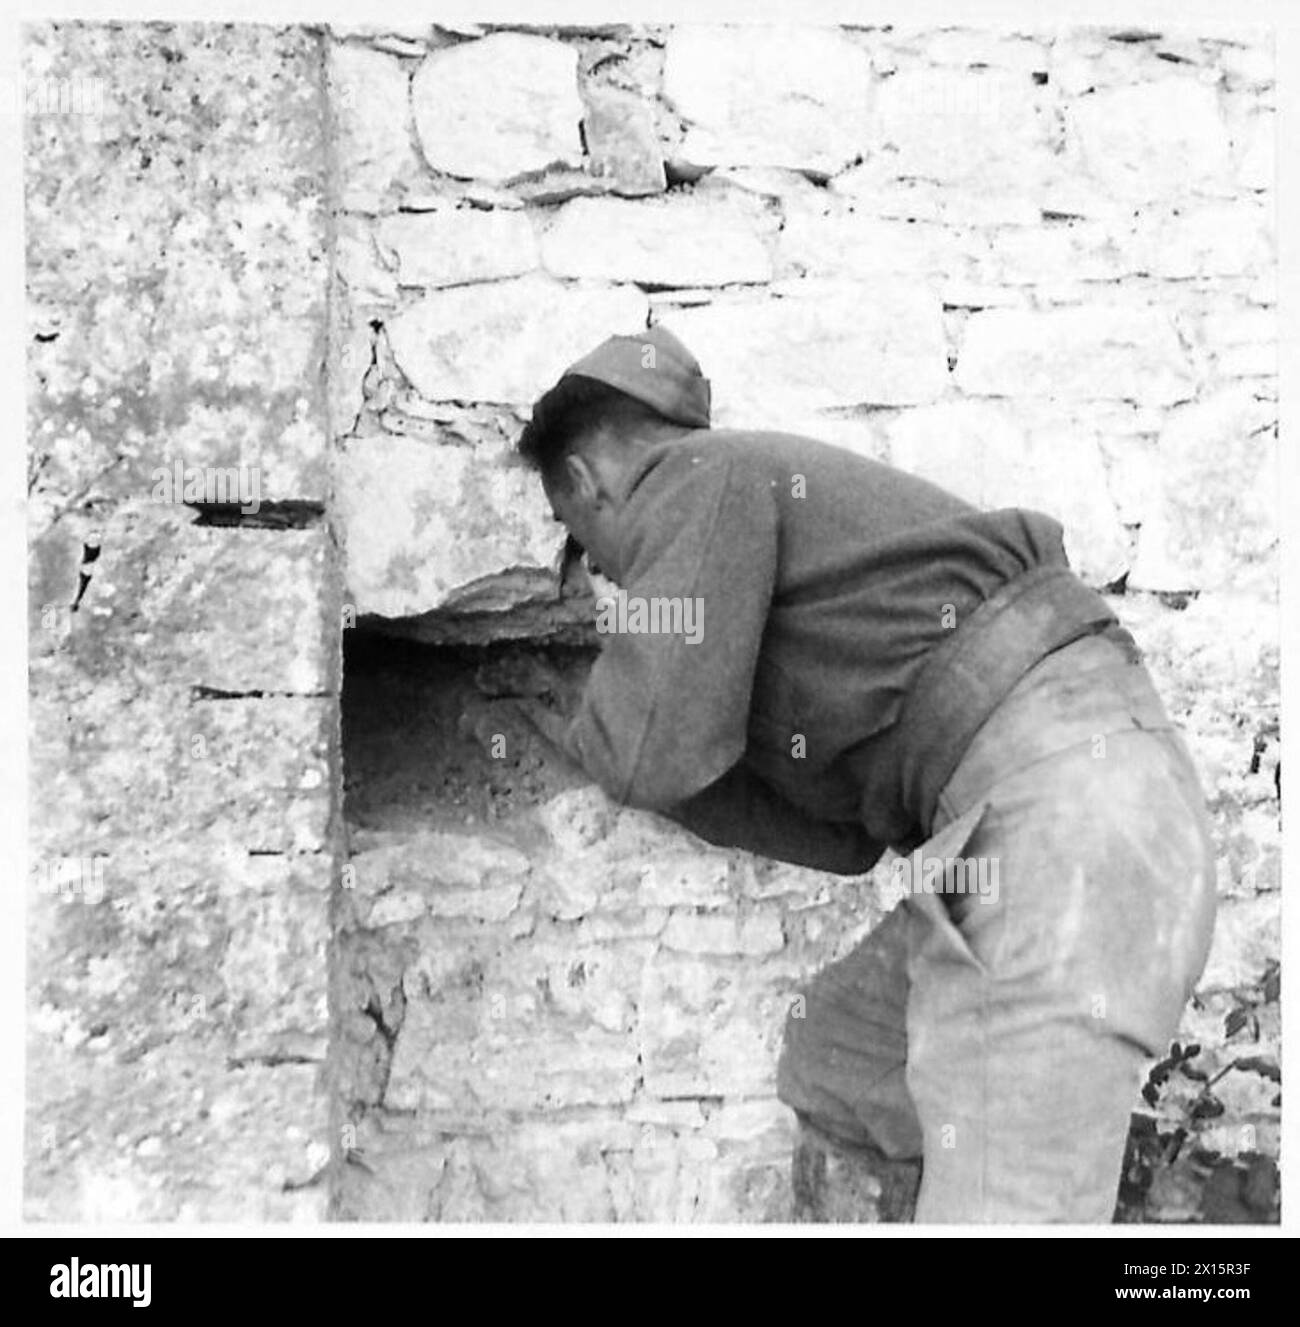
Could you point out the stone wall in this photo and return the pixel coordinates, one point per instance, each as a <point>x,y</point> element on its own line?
<point>184,659</point>
<point>1039,269</point>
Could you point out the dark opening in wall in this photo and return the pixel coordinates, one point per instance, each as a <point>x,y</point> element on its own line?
<point>416,724</point>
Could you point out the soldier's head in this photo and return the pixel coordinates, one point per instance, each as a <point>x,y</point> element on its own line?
<point>589,432</point>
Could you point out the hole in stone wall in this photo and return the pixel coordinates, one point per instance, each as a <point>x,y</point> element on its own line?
<point>288,515</point>
<point>417,724</point>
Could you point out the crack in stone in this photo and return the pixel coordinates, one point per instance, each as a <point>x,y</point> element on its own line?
<point>199,693</point>
<point>89,553</point>
<point>270,1060</point>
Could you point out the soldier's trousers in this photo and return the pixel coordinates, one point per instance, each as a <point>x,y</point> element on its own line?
<point>1002,1036</point>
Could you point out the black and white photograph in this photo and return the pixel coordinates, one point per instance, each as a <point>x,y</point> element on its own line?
<point>651,621</point>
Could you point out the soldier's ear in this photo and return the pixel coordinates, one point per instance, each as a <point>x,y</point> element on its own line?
<point>583,482</point>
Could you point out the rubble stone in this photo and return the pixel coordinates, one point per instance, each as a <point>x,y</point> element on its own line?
<point>528,121</point>
<point>506,341</point>
<point>769,96</point>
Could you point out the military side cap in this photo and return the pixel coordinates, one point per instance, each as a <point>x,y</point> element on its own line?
<point>655,368</point>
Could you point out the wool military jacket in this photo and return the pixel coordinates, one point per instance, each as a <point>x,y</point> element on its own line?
<point>820,582</point>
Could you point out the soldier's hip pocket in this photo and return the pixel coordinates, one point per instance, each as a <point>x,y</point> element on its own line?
<point>944,882</point>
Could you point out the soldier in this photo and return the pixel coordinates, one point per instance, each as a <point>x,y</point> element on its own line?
<point>881,665</point>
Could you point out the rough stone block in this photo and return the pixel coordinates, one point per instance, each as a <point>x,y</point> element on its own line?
<point>439,875</point>
<point>56,555</point>
<point>430,526</point>
<point>1112,351</point>
<point>1026,255</point>
<point>598,985</point>
<point>1251,359</point>
<point>1247,935</point>
<point>152,1004</point>
<point>499,107</point>
<point>275,969</point>
<point>966,48</point>
<point>508,341</point>
<point>819,241</point>
<point>1215,510</point>
<point>624,923</point>
<point>984,126</point>
<point>552,1171</point>
<point>278,444</point>
<point>622,143</point>
<point>769,96</point>
<point>699,880</point>
<point>368,281</point>
<point>876,190</point>
<point>513,1063</point>
<point>573,889</point>
<point>370,99</point>
<point>174,1136</point>
<point>229,610</point>
<point>1152,139</point>
<point>663,1179</point>
<point>1257,154</point>
<point>696,934</point>
<point>1215,664</point>
<point>578,818</point>
<point>1243,340</point>
<point>1206,239</point>
<point>156,287</point>
<point>210,945</point>
<point>1251,59</point>
<point>453,246</point>
<point>115,765</point>
<point>709,1027</point>
<point>749,1180</point>
<point>683,242</point>
<point>351,353</point>
<point>876,343</point>
<point>748,1120</point>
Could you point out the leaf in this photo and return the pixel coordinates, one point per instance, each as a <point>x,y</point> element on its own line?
<point>1260,1064</point>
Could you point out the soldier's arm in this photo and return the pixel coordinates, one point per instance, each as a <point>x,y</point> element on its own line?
<point>663,716</point>
<point>739,810</point>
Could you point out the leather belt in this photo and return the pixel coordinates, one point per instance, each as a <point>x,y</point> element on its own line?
<point>969,674</point>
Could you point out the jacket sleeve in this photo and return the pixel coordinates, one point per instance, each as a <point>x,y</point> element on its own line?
<point>664,714</point>
<point>739,810</point>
